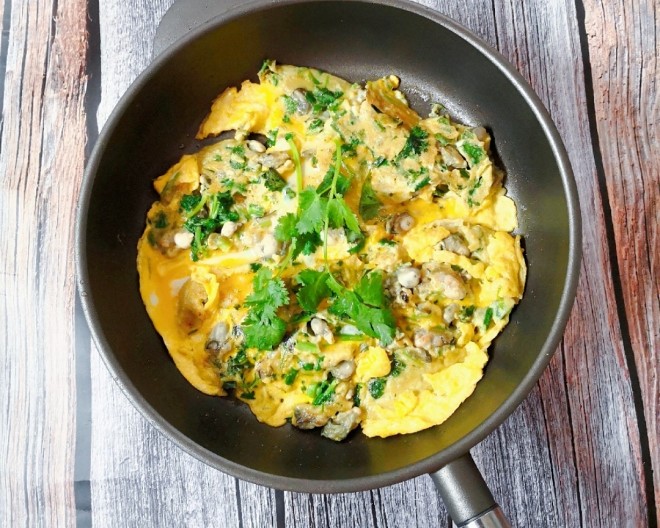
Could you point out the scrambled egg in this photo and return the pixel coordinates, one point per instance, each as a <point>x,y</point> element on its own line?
<point>339,262</point>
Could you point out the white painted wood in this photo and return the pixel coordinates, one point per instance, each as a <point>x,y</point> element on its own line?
<point>41,162</point>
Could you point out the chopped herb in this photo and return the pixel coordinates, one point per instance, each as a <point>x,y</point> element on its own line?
<point>323,99</point>
<point>255,266</point>
<point>322,392</point>
<point>290,376</point>
<point>473,153</point>
<point>466,313</point>
<point>488,316</point>
<point>379,125</point>
<point>273,181</point>
<point>256,211</point>
<point>202,223</point>
<point>233,186</point>
<point>190,202</point>
<point>471,192</point>
<point>160,220</point>
<point>387,242</point>
<point>369,206</point>
<point>416,143</point>
<point>271,137</point>
<point>456,268</point>
<point>397,366</point>
<point>356,395</point>
<point>422,183</point>
<point>290,105</point>
<point>248,395</point>
<point>238,363</point>
<point>350,149</point>
<point>380,161</point>
<point>315,125</point>
<point>376,387</point>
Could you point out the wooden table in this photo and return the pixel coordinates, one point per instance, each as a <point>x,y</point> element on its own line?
<point>582,450</point>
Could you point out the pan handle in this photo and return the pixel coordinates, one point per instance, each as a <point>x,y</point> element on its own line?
<point>467,497</point>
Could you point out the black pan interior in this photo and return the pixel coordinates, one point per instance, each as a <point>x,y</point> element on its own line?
<point>156,124</point>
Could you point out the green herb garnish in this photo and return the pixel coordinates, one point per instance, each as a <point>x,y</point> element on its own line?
<point>262,327</point>
<point>416,143</point>
<point>376,387</point>
<point>369,206</point>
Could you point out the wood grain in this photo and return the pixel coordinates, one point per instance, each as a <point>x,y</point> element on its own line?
<point>623,48</point>
<point>599,408</point>
<point>42,156</point>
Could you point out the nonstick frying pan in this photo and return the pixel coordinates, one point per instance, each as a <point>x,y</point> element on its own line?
<point>155,123</point>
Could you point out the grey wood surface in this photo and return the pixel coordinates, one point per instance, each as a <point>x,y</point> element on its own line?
<point>582,450</point>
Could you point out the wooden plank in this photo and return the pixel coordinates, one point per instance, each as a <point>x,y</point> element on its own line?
<point>139,478</point>
<point>623,47</point>
<point>591,382</point>
<point>41,160</point>
<point>175,489</point>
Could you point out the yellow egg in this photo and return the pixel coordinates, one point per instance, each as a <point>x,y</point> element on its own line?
<point>350,269</point>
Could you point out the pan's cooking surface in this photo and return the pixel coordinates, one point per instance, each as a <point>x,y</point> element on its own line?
<point>157,120</point>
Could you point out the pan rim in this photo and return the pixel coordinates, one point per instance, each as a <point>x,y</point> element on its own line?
<point>433,462</point>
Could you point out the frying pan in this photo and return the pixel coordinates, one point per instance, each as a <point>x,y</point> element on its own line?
<point>155,123</point>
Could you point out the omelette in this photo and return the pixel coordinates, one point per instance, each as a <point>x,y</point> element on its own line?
<point>338,260</point>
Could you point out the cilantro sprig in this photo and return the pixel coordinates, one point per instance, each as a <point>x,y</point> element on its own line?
<point>365,306</point>
<point>319,210</point>
<point>262,327</point>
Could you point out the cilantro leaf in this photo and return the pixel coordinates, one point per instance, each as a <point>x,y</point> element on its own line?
<point>376,322</point>
<point>312,211</point>
<point>306,244</point>
<point>314,289</point>
<point>370,289</point>
<point>286,227</point>
<point>340,214</point>
<point>341,185</point>
<point>265,335</point>
<point>267,290</point>
<point>369,206</point>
